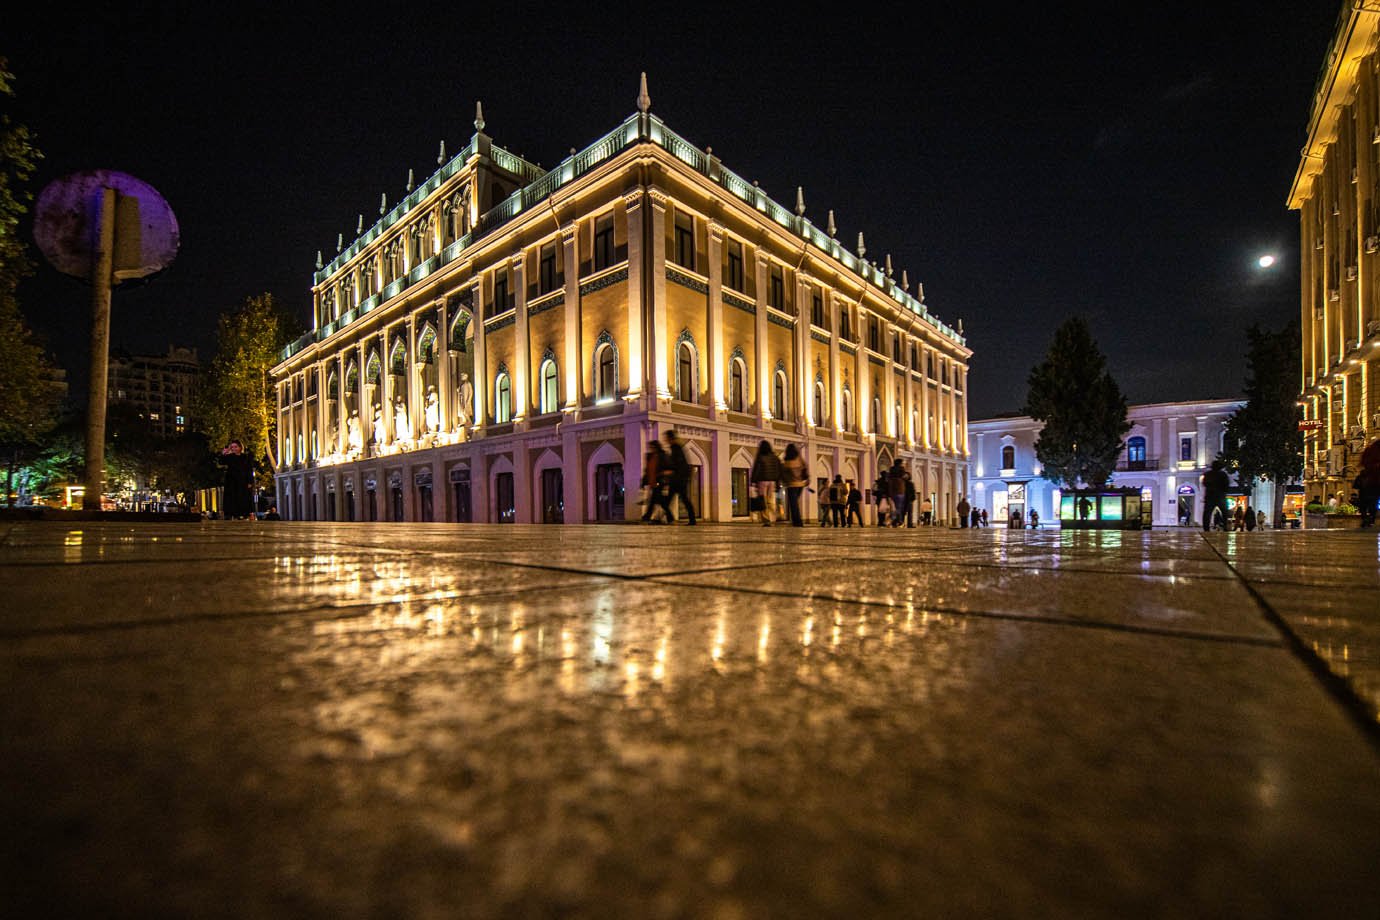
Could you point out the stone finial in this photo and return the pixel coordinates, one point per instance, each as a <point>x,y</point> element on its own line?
<point>644,101</point>
<point>410,182</point>
<point>359,227</point>
<point>889,270</point>
<point>799,201</point>
<point>441,157</point>
<point>920,291</point>
<point>479,116</point>
<point>383,203</point>
<point>862,245</point>
<point>905,280</point>
<point>319,263</point>
<point>960,327</point>
<point>833,228</point>
<point>339,241</point>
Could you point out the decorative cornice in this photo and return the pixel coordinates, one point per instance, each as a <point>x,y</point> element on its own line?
<point>783,321</point>
<point>502,322</point>
<point>548,302</point>
<point>733,300</point>
<point>850,349</point>
<point>820,337</point>
<point>599,284</point>
<point>677,277</point>
<point>568,231</point>
<point>658,197</point>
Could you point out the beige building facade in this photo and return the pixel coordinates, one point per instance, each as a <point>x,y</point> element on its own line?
<point>502,344</point>
<point>1337,194</point>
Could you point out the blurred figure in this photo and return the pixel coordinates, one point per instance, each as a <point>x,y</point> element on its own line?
<point>796,475</point>
<point>765,474</point>
<point>656,473</point>
<point>854,502</point>
<point>239,481</point>
<point>680,475</point>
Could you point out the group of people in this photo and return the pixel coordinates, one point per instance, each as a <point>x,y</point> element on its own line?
<point>665,475</point>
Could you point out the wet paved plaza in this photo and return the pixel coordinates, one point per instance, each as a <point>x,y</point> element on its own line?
<point>264,720</point>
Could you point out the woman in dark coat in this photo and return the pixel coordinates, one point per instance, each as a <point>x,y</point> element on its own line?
<point>239,481</point>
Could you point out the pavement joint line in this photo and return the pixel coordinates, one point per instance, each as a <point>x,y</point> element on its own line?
<point>1254,641</point>
<point>339,612</point>
<point>634,576</point>
<point>1339,688</point>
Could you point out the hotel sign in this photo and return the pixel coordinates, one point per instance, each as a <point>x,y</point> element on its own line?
<point>1310,424</point>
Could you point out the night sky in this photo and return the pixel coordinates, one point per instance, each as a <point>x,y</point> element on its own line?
<point>1126,162</point>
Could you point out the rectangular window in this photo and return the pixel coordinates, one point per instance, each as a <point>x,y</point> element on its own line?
<point>817,310</point>
<point>845,327</point>
<point>500,303</point>
<point>685,241</point>
<point>776,296</point>
<point>914,358</point>
<point>547,268</point>
<point>874,334</point>
<point>734,277</point>
<point>896,347</point>
<point>603,242</point>
<point>739,491</point>
<point>1186,447</point>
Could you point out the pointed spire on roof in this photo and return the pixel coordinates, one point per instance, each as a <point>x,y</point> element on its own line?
<point>441,157</point>
<point>920,291</point>
<point>960,326</point>
<point>862,246</point>
<point>339,241</point>
<point>800,201</point>
<point>905,280</point>
<point>478,116</point>
<point>833,229</point>
<point>644,101</point>
<point>889,270</point>
<point>319,263</point>
<point>410,182</point>
<point>383,203</point>
<point>359,227</point>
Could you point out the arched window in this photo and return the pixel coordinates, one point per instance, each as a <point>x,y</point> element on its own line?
<point>778,395</point>
<point>819,402</point>
<point>605,373</point>
<point>896,419</point>
<point>847,409</point>
<point>1008,457</point>
<point>1135,453</point>
<point>503,399</point>
<point>876,415</point>
<point>548,398</point>
<point>686,376</point>
<point>737,374</point>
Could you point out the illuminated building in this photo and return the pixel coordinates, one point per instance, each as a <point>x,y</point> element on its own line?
<point>1337,194</point>
<point>160,388</point>
<point>501,345</point>
<point>1167,450</point>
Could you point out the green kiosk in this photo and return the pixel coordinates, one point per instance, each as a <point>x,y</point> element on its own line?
<point>1104,509</point>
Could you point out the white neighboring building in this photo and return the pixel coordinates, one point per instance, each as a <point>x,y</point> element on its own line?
<point>1169,447</point>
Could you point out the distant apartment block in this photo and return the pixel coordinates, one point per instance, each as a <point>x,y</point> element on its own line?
<point>160,387</point>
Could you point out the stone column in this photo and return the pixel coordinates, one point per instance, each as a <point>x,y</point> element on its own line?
<point>413,384</point>
<point>386,388</point>
<point>925,434</point>
<point>834,306</point>
<point>762,268</point>
<point>636,374</point>
<point>573,479</point>
<point>713,357</point>
<point>479,415</point>
<point>804,381</point>
<point>522,350</point>
<point>573,360</point>
<point>659,378</point>
<point>443,386</point>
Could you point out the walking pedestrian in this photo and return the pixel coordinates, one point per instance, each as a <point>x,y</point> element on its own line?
<point>1215,484</point>
<point>796,475</point>
<point>963,510</point>
<point>896,480</point>
<point>1034,519</point>
<point>910,502</point>
<point>982,517</point>
<point>763,477</point>
<point>680,476</point>
<point>854,502</point>
<point>927,511</point>
<point>656,478</point>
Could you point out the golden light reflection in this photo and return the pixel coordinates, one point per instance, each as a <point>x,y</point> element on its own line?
<point>631,686</point>
<point>807,633</point>
<point>763,638</point>
<point>716,651</point>
<point>72,545</point>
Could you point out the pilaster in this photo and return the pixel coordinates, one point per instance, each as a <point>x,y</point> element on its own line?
<point>637,280</point>
<point>713,355</point>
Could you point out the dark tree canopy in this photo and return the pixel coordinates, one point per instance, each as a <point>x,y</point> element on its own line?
<point>1263,440</point>
<point>1082,408</point>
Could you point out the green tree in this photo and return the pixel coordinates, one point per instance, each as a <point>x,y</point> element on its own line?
<point>1263,440</point>
<point>30,388</point>
<point>1082,408</point>
<point>237,400</point>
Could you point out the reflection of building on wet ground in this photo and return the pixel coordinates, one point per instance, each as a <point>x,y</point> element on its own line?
<point>503,342</point>
<point>1334,192</point>
<point>1169,447</point>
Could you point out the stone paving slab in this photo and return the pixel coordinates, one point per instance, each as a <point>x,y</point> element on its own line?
<point>369,737</point>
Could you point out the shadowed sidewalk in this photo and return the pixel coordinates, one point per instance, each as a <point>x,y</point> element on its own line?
<point>251,719</point>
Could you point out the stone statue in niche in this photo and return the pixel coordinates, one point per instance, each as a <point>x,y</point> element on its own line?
<point>431,415</point>
<point>465,404</point>
<point>380,433</point>
<point>354,438</point>
<point>402,427</point>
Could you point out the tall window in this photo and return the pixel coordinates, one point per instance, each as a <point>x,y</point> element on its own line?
<point>1008,457</point>
<point>685,241</point>
<point>914,358</point>
<point>1135,453</point>
<point>685,373</point>
<point>547,268</point>
<point>778,395</point>
<point>1185,447</point>
<point>549,393</point>
<point>896,347</point>
<point>817,309</point>
<point>605,374</point>
<point>847,409</point>
<point>776,296</point>
<point>503,399</point>
<point>874,334</point>
<point>845,325</point>
<point>734,276</point>
<point>500,303</point>
<point>736,375</point>
<point>603,242</point>
<point>819,402</point>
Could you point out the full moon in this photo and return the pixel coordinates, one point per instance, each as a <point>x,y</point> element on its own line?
<point>1266,261</point>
